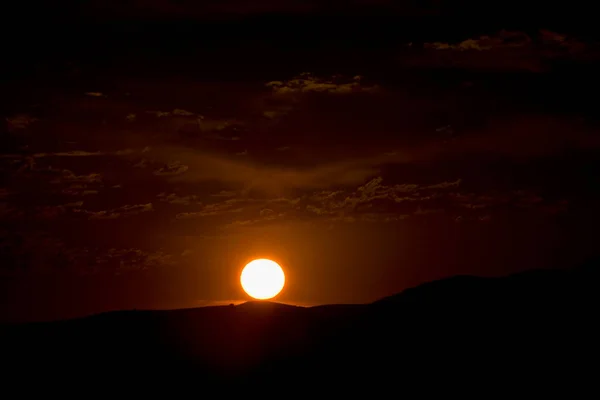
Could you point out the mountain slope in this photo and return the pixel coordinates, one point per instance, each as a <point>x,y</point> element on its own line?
<point>538,323</point>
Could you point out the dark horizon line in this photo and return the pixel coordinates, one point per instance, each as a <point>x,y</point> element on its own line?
<point>536,271</point>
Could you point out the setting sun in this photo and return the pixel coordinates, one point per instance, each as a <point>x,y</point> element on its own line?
<point>262,279</point>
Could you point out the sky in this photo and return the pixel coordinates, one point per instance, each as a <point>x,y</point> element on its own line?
<point>141,178</point>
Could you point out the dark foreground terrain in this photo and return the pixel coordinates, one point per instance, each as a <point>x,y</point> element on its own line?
<point>534,328</point>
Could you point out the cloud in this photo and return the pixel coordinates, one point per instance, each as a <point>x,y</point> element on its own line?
<point>72,184</point>
<point>506,50</point>
<point>179,111</point>
<point>305,83</point>
<point>530,135</point>
<point>216,125</point>
<point>19,122</point>
<point>275,112</point>
<point>68,176</point>
<point>214,209</point>
<point>131,259</point>
<point>192,121</point>
<point>143,163</point>
<point>124,211</point>
<point>376,198</point>
<point>230,138</point>
<point>546,40</point>
<point>36,252</point>
<point>260,207</point>
<point>341,205</point>
<point>51,212</point>
<point>176,199</point>
<point>171,169</point>
<point>207,167</point>
<point>503,39</point>
<point>175,112</point>
<point>79,190</point>
<point>267,213</point>
<point>225,193</point>
<point>376,202</point>
<point>74,153</point>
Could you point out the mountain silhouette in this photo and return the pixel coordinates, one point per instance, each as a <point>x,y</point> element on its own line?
<point>525,328</point>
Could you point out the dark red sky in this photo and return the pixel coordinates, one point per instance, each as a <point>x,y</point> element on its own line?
<point>143,165</point>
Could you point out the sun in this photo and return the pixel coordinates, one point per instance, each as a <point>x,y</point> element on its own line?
<point>262,279</point>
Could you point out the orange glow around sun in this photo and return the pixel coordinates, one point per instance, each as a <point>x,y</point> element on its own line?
<point>262,279</point>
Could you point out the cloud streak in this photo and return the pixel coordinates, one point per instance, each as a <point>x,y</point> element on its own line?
<point>504,50</point>
<point>529,136</point>
<point>207,167</point>
<point>374,202</point>
<point>124,211</point>
<point>76,153</point>
<point>306,83</point>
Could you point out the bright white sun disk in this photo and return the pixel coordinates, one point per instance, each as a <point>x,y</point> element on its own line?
<point>262,279</point>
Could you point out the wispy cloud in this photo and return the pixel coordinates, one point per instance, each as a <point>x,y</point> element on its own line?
<point>544,135</point>
<point>306,82</point>
<point>374,202</point>
<point>19,122</point>
<point>176,199</point>
<point>504,39</point>
<point>35,252</point>
<point>171,169</point>
<point>76,153</point>
<point>175,112</point>
<point>204,167</point>
<point>228,206</point>
<point>193,121</point>
<point>506,50</point>
<point>68,176</point>
<point>123,211</point>
<point>132,259</point>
